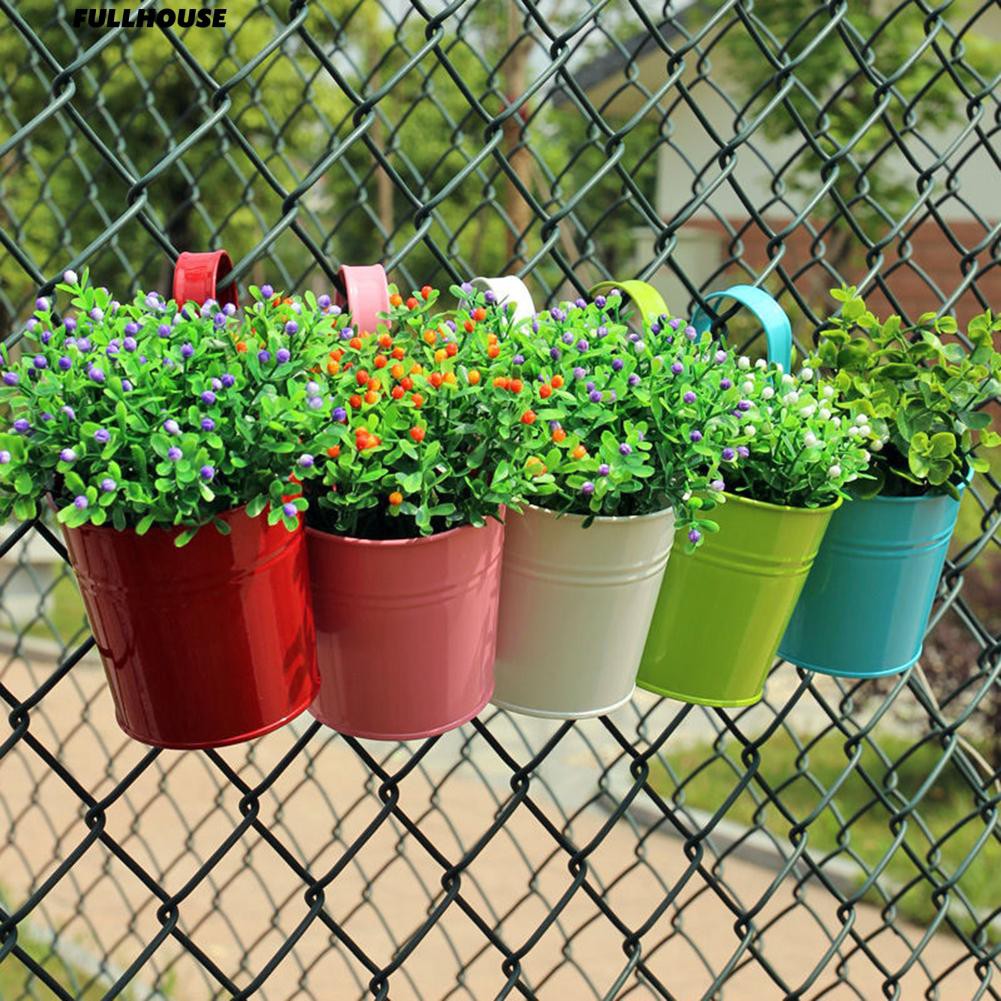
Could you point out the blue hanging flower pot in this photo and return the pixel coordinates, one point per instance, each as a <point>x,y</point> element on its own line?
<point>865,607</point>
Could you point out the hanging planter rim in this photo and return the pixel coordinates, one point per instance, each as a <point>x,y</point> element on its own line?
<point>421,540</point>
<point>603,518</point>
<point>768,505</point>
<point>556,714</point>
<point>927,496</point>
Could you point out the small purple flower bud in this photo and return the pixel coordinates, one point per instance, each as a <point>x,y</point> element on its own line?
<point>625,449</point>
<point>163,330</point>
<point>206,473</point>
<point>567,338</point>
<point>112,349</point>
<point>655,328</point>
<point>555,354</point>
<point>96,314</point>
<point>46,416</point>
<point>633,337</point>
<point>589,386</point>
<point>11,378</point>
<point>306,460</point>
<point>689,397</point>
<point>744,405</point>
<point>580,303</point>
<point>291,327</point>
<point>96,374</point>
<point>67,455</point>
<point>690,332</point>
<point>22,425</point>
<point>535,326</point>
<point>46,336</point>
<point>219,320</point>
<point>602,331</point>
<point>594,396</point>
<point>518,360</point>
<point>263,356</point>
<point>68,412</point>
<point>32,325</point>
<point>70,277</point>
<point>83,344</point>
<point>466,287</point>
<point>633,380</point>
<point>215,383</point>
<point>599,301</point>
<point>557,314</point>
<point>694,535</point>
<point>720,357</point>
<point>174,453</point>
<point>187,350</point>
<point>289,510</point>
<point>102,435</point>
<point>41,304</point>
<point>617,364</point>
<point>171,426</point>
<point>728,454</point>
<point>126,386</point>
<point>228,379</point>
<point>130,344</point>
<point>451,325</point>
<point>725,384</point>
<point>4,457</point>
<point>604,469</point>
<point>315,402</point>
<point>132,327</point>
<point>717,485</point>
<point>267,291</point>
<point>587,488</point>
<point>229,309</point>
<point>312,388</point>
<point>108,485</point>
<point>677,368</point>
<point>40,361</point>
<point>323,301</point>
<point>208,424</point>
<point>80,502</point>
<point>489,297</point>
<point>695,435</point>
<point>340,415</point>
<point>579,373</point>
<point>743,451</point>
<point>282,355</point>
<point>168,362</point>
<point>582,345</point>
<point>70,324</point>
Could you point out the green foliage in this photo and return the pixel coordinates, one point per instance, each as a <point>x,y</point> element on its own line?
<point>620,431</point>
<point>422,440</point>
<point>152,414</point>
<point>924,396</point>
<point>800,451</point>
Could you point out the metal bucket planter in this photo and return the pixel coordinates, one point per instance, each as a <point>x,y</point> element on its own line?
<point>203,646</point>
<point>406,629</point>
<point>197,277</point>
<point>865,607</point>
<point>365,294</point>
<point>575,607</point>
<point>723,609</point>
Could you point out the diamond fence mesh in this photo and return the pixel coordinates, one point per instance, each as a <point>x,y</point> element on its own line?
<point>839,840</point>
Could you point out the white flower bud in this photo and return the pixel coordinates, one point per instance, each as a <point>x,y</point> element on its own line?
<point>828,392</point>
<point>834,472</point>
<point>747,387</point>
<point>836,421</point>
<point>743,363</point>
<point>865,430</point>
<point>861,419</point>
<point>792,397</point>
<point>768,392</point>
<point>788,380</point>
<point>687,495</point>
<point>824,414</point>
<point>761,363</point>
<point>865,455</point>
<point>809,411</point>
<point>877,446</point>
<point>750,430</point>
<point>853,432</point>
<point>806,373</point>
<point>809,439</point>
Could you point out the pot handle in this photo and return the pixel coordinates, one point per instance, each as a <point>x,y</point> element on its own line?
<point>510,288</point>
<point>778,331</point>
<point>365,295</point>
<point>197,277</point>
<point>646,298</point>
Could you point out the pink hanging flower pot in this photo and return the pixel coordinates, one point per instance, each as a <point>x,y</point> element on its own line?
<point>406,629</point>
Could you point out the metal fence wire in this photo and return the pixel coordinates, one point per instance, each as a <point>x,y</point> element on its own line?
<point>839,840</point>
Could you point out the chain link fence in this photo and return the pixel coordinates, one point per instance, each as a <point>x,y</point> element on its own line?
<point>839,840</point>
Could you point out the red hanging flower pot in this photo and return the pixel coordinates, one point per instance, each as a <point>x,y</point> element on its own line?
<point>206,645</point>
